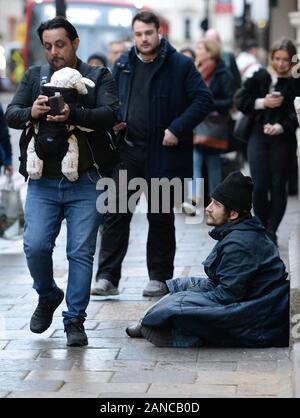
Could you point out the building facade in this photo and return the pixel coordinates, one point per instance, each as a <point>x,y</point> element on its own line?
<point>295,22</point>
<point>11,15</point>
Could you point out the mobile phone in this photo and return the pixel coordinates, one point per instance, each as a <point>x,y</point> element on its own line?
<point>56,104</point>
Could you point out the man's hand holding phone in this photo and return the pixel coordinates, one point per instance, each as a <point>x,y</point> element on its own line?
<point>59,110</point>
<point>40,107</point>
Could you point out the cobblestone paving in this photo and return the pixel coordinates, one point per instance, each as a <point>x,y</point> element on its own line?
<point>114,365</point>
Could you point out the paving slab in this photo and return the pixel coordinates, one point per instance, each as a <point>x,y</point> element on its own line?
<point>116,365</point>
<point>164,390</point>
<point>75,376</point>
<point>40,395</point>
<point>17,365</point>
<point>97,388</point>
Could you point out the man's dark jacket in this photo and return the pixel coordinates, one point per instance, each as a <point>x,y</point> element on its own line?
<point>97,110</point>
<point>245,300</point>
<point>178,100</point>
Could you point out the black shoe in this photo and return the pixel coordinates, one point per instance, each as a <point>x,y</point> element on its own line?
<point>157,336</point>
<point>42,317</point>
<point>76,336</point>
<point>134,330</point>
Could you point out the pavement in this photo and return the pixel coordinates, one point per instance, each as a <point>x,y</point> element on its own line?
<point>113,365</point>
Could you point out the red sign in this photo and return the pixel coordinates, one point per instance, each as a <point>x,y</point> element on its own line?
<point>223,7</point>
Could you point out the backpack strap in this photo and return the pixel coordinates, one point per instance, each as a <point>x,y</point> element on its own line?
<point>44,75</point>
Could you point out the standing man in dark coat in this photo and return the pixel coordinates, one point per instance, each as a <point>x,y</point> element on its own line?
<point>53,197</point>
<point>162,99</point>
<point>244,302</point>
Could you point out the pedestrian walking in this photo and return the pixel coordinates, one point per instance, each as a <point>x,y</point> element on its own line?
<point>115,50</point>
<point>243,301</point>
<point>212,136</point>
<point>97,59</point>
<point>162,99</point>
<point>189,52</point>
<point>268,98</point>
<point>5,146</point>
<point>248,60</point>
<point>53,197</point>
<point>227,56</point>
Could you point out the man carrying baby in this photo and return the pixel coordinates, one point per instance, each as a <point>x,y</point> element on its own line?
<point>53,197</point>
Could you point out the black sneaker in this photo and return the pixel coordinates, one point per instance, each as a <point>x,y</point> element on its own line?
<point>42,317</point>
<point>134,330</point>
<point>158,336</point>
<point>76,336</point>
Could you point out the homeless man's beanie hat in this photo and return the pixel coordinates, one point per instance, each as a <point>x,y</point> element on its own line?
<point>235,192</point>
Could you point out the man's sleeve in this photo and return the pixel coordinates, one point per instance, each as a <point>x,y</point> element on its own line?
<point>18,112</point>
<point>104,115</point>
<point>201,104</point>
<point>236,268</point>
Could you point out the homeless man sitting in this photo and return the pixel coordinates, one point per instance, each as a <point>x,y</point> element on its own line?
<point>244,302</point>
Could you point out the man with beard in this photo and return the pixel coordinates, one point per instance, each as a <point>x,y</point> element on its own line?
<point>163,98</point>
<point>53,197</point>
<point>243,302</point>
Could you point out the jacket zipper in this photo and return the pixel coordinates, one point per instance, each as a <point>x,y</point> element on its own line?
<point>93,159</point>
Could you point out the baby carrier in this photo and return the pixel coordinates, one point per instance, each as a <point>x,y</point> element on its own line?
<point>51,138</point>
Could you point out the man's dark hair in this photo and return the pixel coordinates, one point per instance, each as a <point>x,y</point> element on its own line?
<point>189,51</point>
<point>55,23</point>
<point>250,44</point>
<point>147,17</point>
<point>242,214</point>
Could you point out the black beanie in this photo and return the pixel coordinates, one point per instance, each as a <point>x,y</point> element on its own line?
<point>235,192</point>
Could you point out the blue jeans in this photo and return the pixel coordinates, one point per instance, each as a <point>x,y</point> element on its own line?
<point>213,166</point>
<point>48,202</point>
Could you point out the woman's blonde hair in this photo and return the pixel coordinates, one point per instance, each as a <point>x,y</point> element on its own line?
<point>211,46</point>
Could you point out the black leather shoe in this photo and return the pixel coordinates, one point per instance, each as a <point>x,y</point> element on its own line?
<point>158,337</point>
<point>76,336</point>
<point>43,315</point>
<point>134,330</point>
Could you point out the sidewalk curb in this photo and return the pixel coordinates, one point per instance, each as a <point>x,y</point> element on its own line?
<point>296,370</point>
<point>294,251</point>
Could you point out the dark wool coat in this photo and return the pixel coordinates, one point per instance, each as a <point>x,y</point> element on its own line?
<point>178,100</point>
<point>245,300</point>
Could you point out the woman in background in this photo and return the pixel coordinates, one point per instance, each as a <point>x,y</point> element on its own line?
<point>212,135</point>
<point>268,96</point>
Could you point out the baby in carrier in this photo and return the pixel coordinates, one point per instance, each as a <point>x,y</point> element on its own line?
<point>54,138</point>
